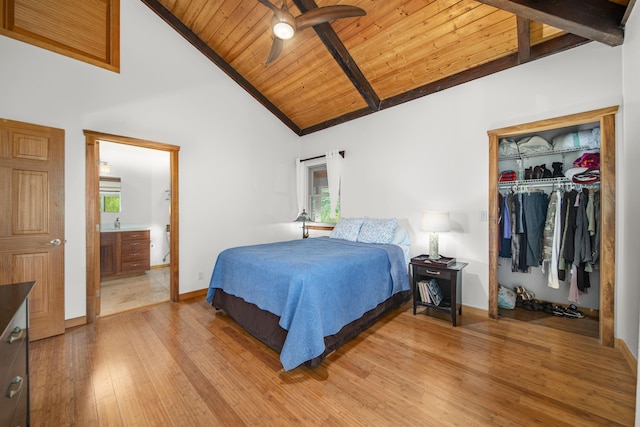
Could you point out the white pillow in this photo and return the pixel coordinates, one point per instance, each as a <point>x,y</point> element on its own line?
<point>377,230</point>
<point>347,229</point>
<point>401,236</point>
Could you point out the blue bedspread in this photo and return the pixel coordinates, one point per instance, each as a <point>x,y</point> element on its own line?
<point>315,285</point>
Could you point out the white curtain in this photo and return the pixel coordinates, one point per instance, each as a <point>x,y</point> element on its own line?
<point>334,173</point>
<point>301,182</point>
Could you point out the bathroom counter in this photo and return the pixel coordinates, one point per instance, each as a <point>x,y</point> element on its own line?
<point>110,229</point>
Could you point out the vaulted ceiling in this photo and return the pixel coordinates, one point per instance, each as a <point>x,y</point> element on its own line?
<point>399,51</point>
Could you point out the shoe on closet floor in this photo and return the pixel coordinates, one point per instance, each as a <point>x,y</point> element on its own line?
<point>558,310</point>
<point>572,311</point>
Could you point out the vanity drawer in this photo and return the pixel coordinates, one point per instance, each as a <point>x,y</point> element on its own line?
<point>135,235</point>
<point>135,254</point>
<point>131,266</point>
<point>131,246</point>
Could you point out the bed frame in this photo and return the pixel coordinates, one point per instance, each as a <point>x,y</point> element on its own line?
<point>264,325</point>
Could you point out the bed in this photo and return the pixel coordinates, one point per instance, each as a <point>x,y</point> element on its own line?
<point>305,298</point>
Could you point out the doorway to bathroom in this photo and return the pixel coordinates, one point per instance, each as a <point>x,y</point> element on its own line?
<point>135,211</point>
<point>132,225</point>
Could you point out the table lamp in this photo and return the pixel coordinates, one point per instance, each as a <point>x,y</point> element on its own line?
<point>434,222</point>
<point>304,218</point>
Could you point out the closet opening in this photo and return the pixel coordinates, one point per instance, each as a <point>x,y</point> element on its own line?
<point>552,223</point>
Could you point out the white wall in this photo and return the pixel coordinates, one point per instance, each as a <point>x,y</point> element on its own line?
<point>628,157</point>
<point>236,159</point>
<point>432,153</point>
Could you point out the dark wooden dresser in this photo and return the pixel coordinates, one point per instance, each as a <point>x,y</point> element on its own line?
<point>14,354</point>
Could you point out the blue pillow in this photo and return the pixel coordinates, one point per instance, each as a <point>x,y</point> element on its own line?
<point>347,229</point>
<point>377,230</point>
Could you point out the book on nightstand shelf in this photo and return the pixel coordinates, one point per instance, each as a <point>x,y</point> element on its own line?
<point>424,293</point>
<point>435,293</point>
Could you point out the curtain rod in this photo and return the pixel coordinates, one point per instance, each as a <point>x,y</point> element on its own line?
<point>319,157</point>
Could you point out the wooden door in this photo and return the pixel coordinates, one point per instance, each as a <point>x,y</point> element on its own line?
<point>32,219</point>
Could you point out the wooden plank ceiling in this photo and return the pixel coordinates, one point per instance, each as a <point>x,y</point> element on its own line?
<point>399,51</point>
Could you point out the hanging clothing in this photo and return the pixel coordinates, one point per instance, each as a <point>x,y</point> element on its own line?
<point>574,294</point>
<point>570,228</point>
<point>535,212</point>
<point>549,226</point>
<point>518,235</point>
<point>582,240</point>
<point>553,228</point>
<point>504,250</point>
<point>595,239</point>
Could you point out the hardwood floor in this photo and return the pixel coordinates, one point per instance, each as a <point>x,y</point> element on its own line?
<point>588,326</point>
<point>183,364</point>
<point>129,293</point>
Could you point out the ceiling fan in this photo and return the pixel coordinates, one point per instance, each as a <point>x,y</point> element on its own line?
<point>285,25</point>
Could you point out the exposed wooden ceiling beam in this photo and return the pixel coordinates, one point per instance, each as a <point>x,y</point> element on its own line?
<point>524,40</point>
<point>597,20</point>
<point>342,57</point>
<point>192,38</point>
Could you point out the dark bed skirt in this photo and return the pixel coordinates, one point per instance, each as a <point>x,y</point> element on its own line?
<point>264,325</point>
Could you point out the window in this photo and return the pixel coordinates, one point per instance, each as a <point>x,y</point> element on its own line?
<point>318,195</point>
<point>110,194</point>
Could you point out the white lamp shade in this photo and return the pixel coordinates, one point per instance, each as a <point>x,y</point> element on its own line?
<point>435,221</point>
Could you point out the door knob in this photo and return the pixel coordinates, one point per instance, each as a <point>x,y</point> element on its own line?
<point>55,242</point>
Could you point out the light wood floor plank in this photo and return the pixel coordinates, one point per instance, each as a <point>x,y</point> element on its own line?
<point>177,364</point>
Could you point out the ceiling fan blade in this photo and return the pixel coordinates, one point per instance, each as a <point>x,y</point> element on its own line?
<point>270,5</point>
<point>327,13</point>
<point>281,13</point>
<point>276,48</point>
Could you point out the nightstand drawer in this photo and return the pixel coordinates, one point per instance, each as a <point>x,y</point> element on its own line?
<point>436,273</point>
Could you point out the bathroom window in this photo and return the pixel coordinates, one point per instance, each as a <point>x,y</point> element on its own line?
<point>110,196</point>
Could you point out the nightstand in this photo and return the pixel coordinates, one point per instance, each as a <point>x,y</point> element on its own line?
<point>449,280</point>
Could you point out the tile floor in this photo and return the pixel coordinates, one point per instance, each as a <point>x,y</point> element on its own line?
<point>126,294</point>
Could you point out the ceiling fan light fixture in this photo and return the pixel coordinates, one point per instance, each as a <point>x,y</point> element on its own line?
<point>283,30</point>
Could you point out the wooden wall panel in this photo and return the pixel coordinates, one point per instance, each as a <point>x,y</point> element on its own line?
<point>85,30</point>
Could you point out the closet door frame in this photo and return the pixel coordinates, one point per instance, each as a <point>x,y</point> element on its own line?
<point>606,118</point>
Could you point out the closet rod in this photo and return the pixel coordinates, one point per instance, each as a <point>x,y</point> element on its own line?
<point>319,157</point>
<point>564,185</point>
